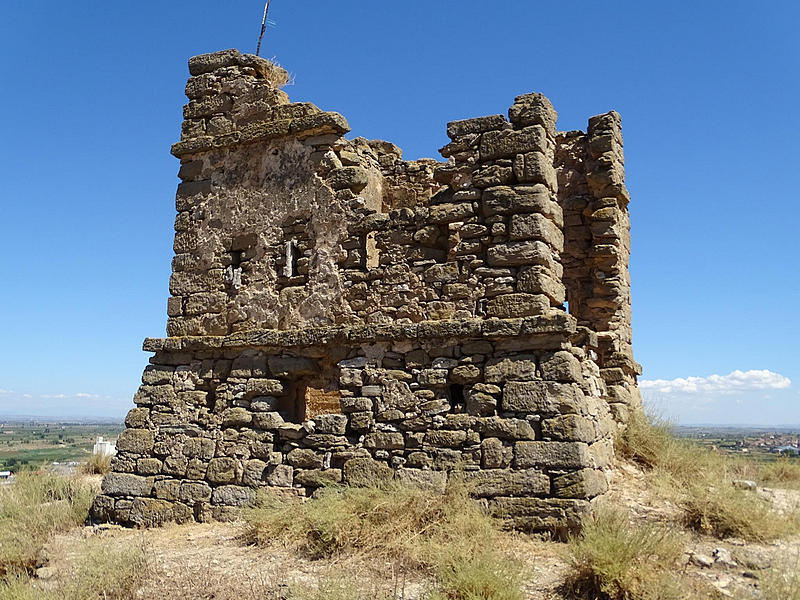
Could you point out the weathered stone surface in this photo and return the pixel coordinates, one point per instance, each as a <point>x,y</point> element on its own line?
<point>521,367</point>
<point>125,484</point>
<point>432,481</point>
<point>586,483</point>
<point>509,143</point>
<point>191,492</point>
<point>506,482</point>
<point>315,478</point>
<point>366,472</point>
<point>569,428</point>
<point>136,441</point>
<point>305,458</point>
<point>456,129</point>
<point>222,470</point>
<point>512,306</point>
<point>233,495</point>
<point>556,455</point>
<point>561,366</point>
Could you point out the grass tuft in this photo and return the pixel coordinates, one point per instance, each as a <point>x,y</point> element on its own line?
<point>445,535</point>
<point>98,464</point>
<point>36,506</point>
<point>613,559</point>
<point>701,482</point>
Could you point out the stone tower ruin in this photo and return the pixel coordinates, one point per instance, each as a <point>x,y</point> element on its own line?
<point>339,315</point>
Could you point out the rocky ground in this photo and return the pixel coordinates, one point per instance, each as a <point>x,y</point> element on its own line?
<point>209,561</point>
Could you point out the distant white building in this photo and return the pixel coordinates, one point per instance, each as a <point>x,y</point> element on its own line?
<point>104,447</point>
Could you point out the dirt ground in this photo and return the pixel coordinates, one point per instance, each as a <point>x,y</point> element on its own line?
<point>209,561</point>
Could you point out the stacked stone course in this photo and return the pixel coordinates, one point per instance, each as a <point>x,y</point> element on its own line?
<point>341,316</point>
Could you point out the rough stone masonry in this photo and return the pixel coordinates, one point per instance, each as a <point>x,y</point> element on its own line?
<point>339,315</point>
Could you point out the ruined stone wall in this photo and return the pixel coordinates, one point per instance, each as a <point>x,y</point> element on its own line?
<point>341,315</point>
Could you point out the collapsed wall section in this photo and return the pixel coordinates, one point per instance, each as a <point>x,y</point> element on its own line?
<point>341,315</point>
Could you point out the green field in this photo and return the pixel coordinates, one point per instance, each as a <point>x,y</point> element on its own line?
<point>31,444</point>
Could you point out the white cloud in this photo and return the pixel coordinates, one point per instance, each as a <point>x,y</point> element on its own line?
<point>4,392</point>
<point>732,383</point>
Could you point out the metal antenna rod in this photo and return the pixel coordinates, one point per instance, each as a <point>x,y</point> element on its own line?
<point>263,27</point>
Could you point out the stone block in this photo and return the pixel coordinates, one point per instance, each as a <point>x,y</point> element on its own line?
<point>356,404</point>
<point>450,213</point>
<point>568,428</point>
<point>222,470</point>
<point>561,366</point>
<point>352,178</point>
<point>166,489</point>
<point>586,483</point>
<point>552,455</point>
<point>148,466</point>
<point>480,403</point>
<point>533,109</point>
<point>175,465</point>
<point>284,366</point>
<point>515,254</point>
<point>191,492</point>
<point>137,418</point>
<point>560,516</point>
<point>233,495</point>
<point>425,479</point>
<point>254,472</point>
<point>268,421</point>
<point>535,226</point>
<point>315,478</point>
<point>280,476</point>
<point>331,423</point>
<point>539,280</point>
<point>125,484</point>
<point>504,200</point>
<point>136,441</point>
<point>365,472</point>
<point>505,482</point>
<point>384,440</point>
<point>513,368</point>
<point>512,306</point>
<point>264,387</point>
<point>509,143</point>
<point>445,439</point>
<point>543,397</point>
<point>150,512</point>
<point>304,458</point>
<point>197,447</point>
<point>494,455</point>
<point>506,429</point>
<point>236,417</point>
<point>457,129</point>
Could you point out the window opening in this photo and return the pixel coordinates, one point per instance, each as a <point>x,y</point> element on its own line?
<point>455,396</point>
<point>291,254</point>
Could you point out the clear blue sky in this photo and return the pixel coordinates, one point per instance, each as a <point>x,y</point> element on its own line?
<point>91,98</point>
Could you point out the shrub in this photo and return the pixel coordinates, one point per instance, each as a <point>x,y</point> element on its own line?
<point>784,472</point>
<point>446,535</point>
<point>33,508</point>
<point>98,464</point>
<point>613,559</point>
<point>701,483</point>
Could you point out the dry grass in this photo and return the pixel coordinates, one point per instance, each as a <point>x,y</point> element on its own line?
<point>613,559</point>
<point>701,483</point>
<point>784,472</point>
<point>98,464</point>
<point>32,509</point>
<point>102,572</point>
<point>783,582</point>
<point>445,536</point>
